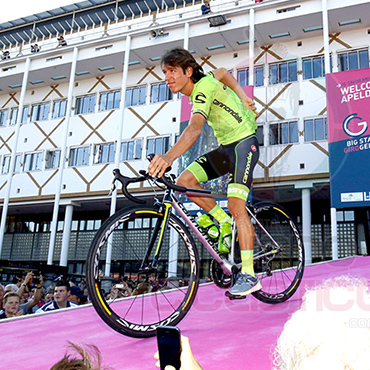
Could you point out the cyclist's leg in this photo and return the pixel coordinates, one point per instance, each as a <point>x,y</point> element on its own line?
<point>243,157</point>
<point>204,169</point>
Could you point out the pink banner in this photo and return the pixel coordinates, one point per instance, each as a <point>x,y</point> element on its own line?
<point>348,98</point>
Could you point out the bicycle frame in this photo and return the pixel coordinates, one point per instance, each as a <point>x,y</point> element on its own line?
<point>170,201</point>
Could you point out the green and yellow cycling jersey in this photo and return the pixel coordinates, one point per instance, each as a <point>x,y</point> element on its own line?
<point>222,109</point>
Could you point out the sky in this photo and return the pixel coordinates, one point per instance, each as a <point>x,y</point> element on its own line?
<point>23,8</point>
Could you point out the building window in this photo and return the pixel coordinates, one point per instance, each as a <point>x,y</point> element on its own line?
<point>6,164</point>
<point>314,67</point>
<point>315,129</point>
<point>243,77</point>
<point>158,145</point>
<point>3,117</point>
<point>85,104</point>
<point>259,134</point>
<point>32,162</point>
<point>109,100</point>
<point>131,150</point>
<point>135,96</point>
<point>14,115</point>
<point>160,92</point>
<point>79,156</point>
<point>284,133</point>
<point>104,153</point>
<point>40,112</point>
<point>52,159</point>
<point>283,72</point>
<point>59,109</point>
<point>353,60</point>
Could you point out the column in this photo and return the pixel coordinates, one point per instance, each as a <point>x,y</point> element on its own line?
<point>251,47</point>
<point>66,234</point>
<point>334,233</point>
<point>117,157</point>
<point>63,157</point>
<point>14,153</point>
<point>306,224</point>
<point>325,32</point>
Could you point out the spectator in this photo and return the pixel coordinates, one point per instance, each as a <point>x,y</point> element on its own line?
<point>2,293</point>
<point>61,298</point>
<point>28,281</point>
<point>49,297</point>
<point>206,9</point>
<point>188,361</point>
<point>142,288</point>
<point>61,41</point>
<point>330,330</point>
<point>41,302</point>
<point>90,359</point>
<point>77,295</point>
<point>11,306</point>
<point>35,48</point>
<point>11,288</point>
<point>119,291</point>
<point>28,306</point>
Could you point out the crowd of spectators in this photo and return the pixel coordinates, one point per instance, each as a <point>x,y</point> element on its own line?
<point>34,296</point>
<point>28,295</point>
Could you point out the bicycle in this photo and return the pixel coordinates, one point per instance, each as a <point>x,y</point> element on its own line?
<point>164,262</point>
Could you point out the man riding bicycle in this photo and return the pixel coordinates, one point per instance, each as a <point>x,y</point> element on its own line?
<point>218,99</point>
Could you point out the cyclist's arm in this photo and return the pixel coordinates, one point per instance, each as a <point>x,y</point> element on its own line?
<point>159,163</point>
<point>227,79</point>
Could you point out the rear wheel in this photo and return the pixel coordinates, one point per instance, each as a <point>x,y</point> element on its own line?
<point>278,254</point>
<point>144,292</point>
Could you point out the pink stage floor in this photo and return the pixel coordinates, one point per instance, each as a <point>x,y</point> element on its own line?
<point>224,334</point>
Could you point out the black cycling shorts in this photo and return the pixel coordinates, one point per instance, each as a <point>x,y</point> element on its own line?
<point>238,159</point>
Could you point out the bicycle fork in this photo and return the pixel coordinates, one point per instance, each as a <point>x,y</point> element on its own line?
<point>158,233</point>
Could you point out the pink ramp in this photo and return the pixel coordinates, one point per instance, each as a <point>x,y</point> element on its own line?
<point>224,334</point>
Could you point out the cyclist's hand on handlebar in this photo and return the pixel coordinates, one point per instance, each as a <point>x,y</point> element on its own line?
<point>158,165</point>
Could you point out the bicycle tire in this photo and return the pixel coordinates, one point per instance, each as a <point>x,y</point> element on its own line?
<point>280,277</point>
<point>172,292</point>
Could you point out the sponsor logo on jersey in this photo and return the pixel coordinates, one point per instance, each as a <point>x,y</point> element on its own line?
<point>253,147</point>
<point>228,110</point>
<point>200,98</point>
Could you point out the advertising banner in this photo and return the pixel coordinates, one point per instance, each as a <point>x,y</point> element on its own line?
<point>348,100</point>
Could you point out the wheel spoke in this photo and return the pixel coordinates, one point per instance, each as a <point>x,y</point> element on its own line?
<point>159,287</point>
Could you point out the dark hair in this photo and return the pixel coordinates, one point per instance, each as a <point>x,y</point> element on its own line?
<point>179,57</point>
<point>63,283</point>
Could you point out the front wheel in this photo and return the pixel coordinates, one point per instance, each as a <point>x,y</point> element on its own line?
<point>142,290</point>
<point>278,253</point>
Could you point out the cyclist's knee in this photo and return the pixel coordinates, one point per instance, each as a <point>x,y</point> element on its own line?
<point>237,208</point>
<point>187,179</point>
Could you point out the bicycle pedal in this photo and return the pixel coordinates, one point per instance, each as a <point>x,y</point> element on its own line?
<point>233,296</point>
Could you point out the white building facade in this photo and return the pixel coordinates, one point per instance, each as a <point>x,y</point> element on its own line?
<point>70,113</point>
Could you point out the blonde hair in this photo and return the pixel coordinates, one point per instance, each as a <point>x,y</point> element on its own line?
<point>9,295</point>
<point>90,359</point>
<point>331,330</point>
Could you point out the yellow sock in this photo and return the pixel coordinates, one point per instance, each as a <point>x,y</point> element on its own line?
<point>219,214</point>
<point>247,262</point>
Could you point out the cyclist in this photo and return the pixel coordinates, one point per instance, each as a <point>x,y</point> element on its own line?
<point>218,99</point>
